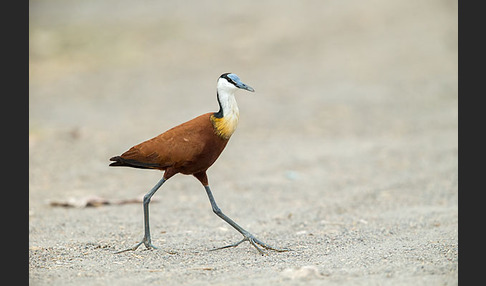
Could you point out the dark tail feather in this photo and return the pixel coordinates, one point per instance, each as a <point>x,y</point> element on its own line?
<point>119,161</point>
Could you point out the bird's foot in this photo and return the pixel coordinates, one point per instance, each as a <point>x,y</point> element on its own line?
<point>146,241</point>
<point>255,242</point>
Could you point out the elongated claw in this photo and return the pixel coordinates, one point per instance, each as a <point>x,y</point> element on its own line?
<point>148,244</point>
<point>266,246</point>
<point>256,243</point>
<point>230,245</point>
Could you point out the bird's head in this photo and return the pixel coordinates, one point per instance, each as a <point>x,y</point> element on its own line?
<point>229,82</point>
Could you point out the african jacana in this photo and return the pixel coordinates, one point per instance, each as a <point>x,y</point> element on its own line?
<point>190,149</point>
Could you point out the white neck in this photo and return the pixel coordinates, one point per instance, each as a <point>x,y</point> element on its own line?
<point>226,119</point>
<point>227,101</point>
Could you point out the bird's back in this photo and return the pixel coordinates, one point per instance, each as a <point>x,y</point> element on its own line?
<point>188,148</point>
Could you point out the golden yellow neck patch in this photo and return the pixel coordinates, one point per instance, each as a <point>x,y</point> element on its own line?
<point>224,127</point>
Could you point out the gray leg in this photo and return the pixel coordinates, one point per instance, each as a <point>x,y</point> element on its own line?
<point>246,235</point>
<point>146,200</point>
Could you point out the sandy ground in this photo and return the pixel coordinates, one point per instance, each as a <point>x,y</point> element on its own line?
<point>346,153</point>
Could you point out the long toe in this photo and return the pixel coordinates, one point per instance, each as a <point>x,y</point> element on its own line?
<point>255,243</point>
<point>266,246</point>
<point>133,248</point>
<point>148,244</point>
<point>229,245</point>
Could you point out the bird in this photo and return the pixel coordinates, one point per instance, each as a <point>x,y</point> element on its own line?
<point>190,149</point>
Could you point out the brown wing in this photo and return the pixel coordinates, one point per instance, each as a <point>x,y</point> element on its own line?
<point>176,147</point>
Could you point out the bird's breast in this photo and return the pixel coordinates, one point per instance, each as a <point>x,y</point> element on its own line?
<point>225,126</point>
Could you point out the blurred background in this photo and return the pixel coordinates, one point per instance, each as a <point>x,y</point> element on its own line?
<point>105,75</point>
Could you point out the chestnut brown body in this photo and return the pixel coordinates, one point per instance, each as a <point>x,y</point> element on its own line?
<point>189,148</point>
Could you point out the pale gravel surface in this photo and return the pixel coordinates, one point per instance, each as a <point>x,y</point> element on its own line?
<point>346,153</point>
